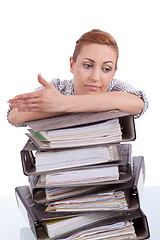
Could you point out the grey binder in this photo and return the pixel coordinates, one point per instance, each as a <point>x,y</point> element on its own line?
<point>123,156</point>
<point>39,194</point>
<point>125,171</point>
<point>78,119</point>
<point>35,214</point>
<point>132,189</point>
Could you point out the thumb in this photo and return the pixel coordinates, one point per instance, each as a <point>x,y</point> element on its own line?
<point>44,83</point>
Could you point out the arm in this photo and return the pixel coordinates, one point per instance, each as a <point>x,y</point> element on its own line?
<point>49,103</point>
<point>118,85</point>
<point>17,118</point>
<point>122,101</point>
<point>24,108</point>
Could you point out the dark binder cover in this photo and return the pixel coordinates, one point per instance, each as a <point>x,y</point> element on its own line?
<point>28,159</point>
<point>35,215</point>
<point>76,119</point>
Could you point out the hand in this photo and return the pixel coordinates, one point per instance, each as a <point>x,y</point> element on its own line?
<point>46,100</point>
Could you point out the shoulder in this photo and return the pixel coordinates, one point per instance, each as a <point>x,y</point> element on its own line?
<point>118,85</point>
<point>65,87</point>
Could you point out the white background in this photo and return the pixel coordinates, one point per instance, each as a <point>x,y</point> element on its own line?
<point>40,35</point>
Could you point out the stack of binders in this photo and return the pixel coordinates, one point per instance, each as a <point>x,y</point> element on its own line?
<point>84,182</point>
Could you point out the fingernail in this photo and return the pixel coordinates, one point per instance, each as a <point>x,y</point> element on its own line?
<point>12,104</point>
<point>10,101</point>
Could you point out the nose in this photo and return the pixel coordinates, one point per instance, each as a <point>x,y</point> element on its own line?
<point>96,74</point>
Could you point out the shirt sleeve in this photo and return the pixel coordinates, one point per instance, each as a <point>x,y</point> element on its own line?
<point>118,85</point>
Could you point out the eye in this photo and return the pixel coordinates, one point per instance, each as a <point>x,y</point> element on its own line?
<point>106,69</point>
<point>87,65</point>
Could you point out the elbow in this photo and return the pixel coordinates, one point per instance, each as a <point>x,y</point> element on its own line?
<point>137,107</point>
<point>133,104</point>
<point>14,118</point>
<point>129,103</point>
<point>140,106</point>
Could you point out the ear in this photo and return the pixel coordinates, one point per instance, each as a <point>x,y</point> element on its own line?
<point>71,65</point>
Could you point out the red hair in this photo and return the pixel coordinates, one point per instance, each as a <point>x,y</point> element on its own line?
<point>95,36</point>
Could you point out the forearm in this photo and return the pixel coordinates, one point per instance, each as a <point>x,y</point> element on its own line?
<point>17,118</point>
<point>125,102</point>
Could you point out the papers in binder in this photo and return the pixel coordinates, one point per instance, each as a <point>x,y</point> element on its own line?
<point>91,134</point>
<point>114,200</point>
<point>36,214</point>
<point>81,176</point>
<point>55,159</point>
<point>109,127</point>
<point>63,192</point>
<point>117,231</point>
<point>62,226</point>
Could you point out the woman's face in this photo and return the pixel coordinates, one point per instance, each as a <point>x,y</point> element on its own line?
<point>93,69</point>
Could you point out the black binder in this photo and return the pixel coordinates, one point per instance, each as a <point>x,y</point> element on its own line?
<point>36,215</point>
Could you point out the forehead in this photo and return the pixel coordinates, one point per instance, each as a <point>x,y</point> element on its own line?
<point>97,52</point>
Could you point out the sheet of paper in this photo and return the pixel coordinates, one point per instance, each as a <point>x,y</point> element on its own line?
<point>87,175</point>
<point>117,231</point>
<point>114,200</point>
<point>54,160</point>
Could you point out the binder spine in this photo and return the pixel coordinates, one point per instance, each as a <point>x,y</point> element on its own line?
<point>28,161</point>
<point>140,174</point>
<point>26,209</point>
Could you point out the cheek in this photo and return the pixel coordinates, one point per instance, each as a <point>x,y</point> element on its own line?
<point>79,76</point>
<point>106,82</point>
<point>80,72</point>
<point>79,82</point>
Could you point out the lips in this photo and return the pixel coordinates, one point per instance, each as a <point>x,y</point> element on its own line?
<point>92,87</point>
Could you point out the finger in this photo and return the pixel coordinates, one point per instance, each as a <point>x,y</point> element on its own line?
<point>31,95</point>
<point>27,110</point>
<point>43,82</point>
<point>24,102</point>
<point>27,107</point>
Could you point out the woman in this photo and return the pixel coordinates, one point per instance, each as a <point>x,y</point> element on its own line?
<point>93,88</point>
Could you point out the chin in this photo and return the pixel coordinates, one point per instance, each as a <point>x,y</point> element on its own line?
<point>93,92</point>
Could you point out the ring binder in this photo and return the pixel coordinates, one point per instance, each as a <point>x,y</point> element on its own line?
<point>128,178</point>
<point>37,214</point>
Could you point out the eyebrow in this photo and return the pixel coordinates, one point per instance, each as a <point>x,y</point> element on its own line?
<point>94,61</point>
